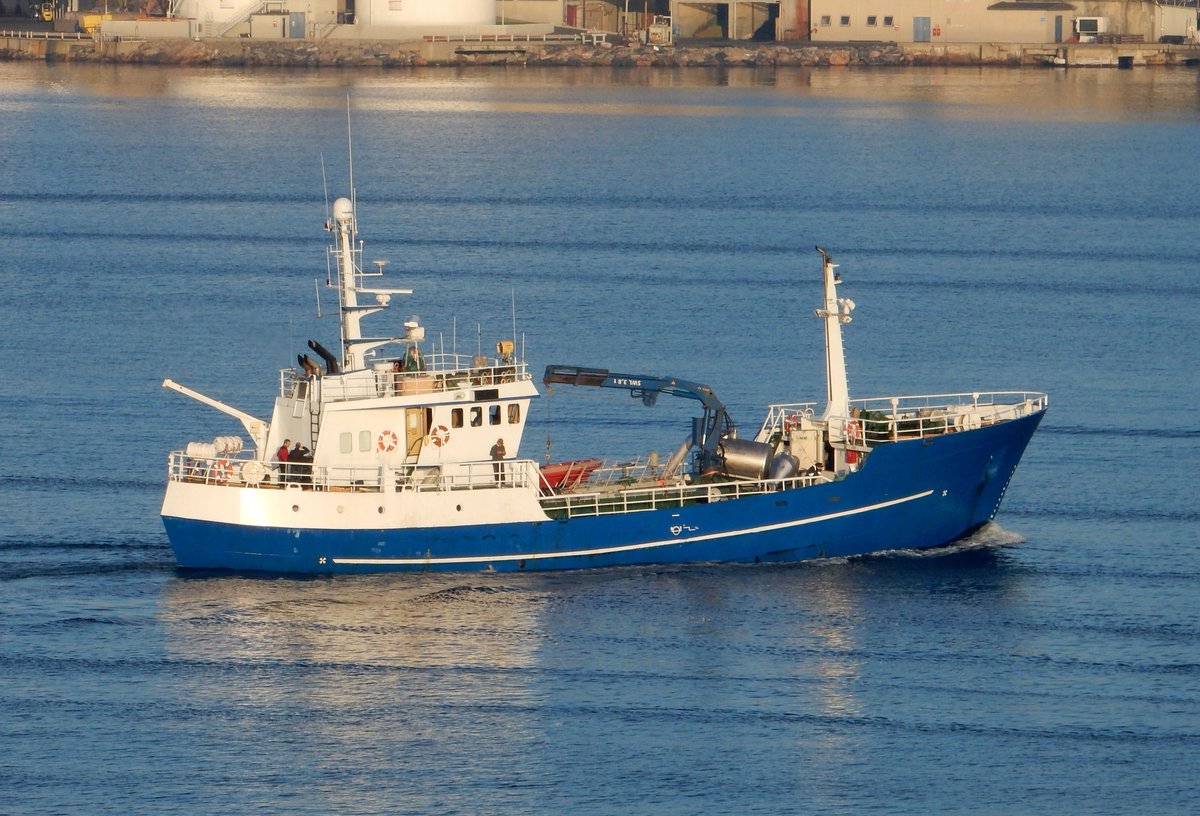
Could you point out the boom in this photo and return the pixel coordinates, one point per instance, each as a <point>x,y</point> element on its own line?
<point>707,431</point>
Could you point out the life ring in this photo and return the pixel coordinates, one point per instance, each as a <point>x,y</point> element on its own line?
<point>440,436</point>
<point>222,471</point>
<point>853,432</point>
<point>791,423</point>
<point>388,442</point>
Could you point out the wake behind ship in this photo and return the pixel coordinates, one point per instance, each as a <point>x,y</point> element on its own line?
<point>376,462</point>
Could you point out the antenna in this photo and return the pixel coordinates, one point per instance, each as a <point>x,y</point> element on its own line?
<point>317,288</point>
<point>325,185</point>
<point>513,294</point>
<point>350,151</point>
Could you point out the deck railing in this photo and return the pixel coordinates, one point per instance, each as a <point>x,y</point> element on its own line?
<point>889,419</point>
<point>449,372</point>
<point>638,499</point>
<point>247,471</point>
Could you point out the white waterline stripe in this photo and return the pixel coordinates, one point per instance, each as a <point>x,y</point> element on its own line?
<point>626,547</point>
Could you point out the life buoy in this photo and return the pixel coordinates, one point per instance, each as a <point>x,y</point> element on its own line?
<point>388,442</point>
<point>853,432</point>
<point>222,471</point>
<point>791,423</point>
<point>440,436</point>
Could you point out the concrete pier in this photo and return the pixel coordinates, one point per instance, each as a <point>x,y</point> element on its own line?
<point>397,54</point>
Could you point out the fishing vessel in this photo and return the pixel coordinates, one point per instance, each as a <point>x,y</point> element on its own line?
<point>396,455</point>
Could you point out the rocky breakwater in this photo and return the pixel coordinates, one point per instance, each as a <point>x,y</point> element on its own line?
<point>384,54</point>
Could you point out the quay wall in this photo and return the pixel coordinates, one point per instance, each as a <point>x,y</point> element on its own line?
<point>394,54</point>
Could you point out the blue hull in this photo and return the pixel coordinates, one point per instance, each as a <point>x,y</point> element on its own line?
<point>913,494</point>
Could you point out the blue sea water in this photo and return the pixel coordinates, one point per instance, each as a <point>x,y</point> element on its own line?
<point>998,229</point>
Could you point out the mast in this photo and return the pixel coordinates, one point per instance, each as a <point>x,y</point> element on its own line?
<point>344,226</point>
<point>835,312</point>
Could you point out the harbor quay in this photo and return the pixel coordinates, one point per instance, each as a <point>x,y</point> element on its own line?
<point>384,53</point>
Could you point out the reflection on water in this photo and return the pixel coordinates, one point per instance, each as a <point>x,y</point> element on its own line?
<point>957,93</point>
<point>349,643</point>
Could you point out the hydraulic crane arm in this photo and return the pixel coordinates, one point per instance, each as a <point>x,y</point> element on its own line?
<point>706,431</point>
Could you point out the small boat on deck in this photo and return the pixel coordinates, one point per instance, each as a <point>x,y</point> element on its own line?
<point>410,461</point>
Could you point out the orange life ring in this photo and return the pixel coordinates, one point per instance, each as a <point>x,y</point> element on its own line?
<point>222,471</point>
<point>791,423</point>
<point>853,432</point>
<point>388,441</point>
<point>440,436</point>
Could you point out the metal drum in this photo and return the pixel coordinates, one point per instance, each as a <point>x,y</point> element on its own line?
<point>745,458</point>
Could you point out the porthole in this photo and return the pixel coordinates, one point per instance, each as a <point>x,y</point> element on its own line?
<point>295,508</point>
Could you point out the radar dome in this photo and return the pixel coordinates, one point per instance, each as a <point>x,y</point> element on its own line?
<point>343,210</point>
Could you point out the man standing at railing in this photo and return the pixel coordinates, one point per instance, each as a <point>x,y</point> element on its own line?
<point>281,456</point>
<point>498,460</point>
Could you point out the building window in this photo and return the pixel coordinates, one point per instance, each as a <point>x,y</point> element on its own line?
<point>514,413</point>
<point>456,417</point>
<point>872,20</point>
<point>826,20</point>
<point>887,20</point>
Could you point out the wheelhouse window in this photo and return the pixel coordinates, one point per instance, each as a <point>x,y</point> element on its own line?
<point>494,415</point>
<point>514,413</point>
<point>345,442</point>
<point>364,441</point>
<point>476,417</point>
<point>456,417</point>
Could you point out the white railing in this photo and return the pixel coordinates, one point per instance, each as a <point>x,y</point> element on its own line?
<point>241,15</point>
<point>641,499</point>
<point>593,37</point>
<point>44,35</point>
<point>888,419</point>
<point>247,471</point>
<point>440,375</point>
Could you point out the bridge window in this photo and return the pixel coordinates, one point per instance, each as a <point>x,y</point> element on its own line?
<point>364,441</point>
<point>514,413</point>
<point>494,415</point>
<point>456,418</point>
<point>476,417</point>
<point>345,442</point>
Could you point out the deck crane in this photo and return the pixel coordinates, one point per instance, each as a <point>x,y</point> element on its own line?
<point>709,432</point>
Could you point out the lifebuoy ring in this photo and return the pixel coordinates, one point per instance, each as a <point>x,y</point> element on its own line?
<point>853,432</point>
<point>440,436</point>
<point>388,442</point>
<point>791,423</point>
<point>222,471</point>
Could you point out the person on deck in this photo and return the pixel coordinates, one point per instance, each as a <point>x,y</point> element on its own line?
<point>498,460</point>
<point>281,456</point>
